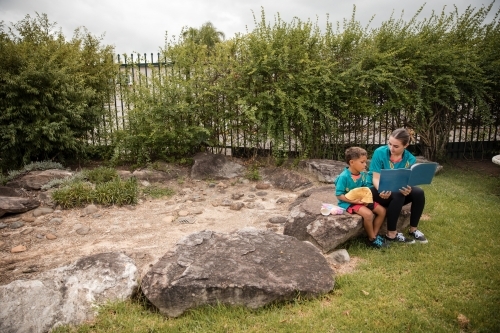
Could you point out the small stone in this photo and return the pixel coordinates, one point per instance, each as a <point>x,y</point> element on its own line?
<point>339,257</point>
<point>38,221</point>
<point>28,218</point>
<point>145,183</point>
<point>250,205</point>
<point>7,234</point>
<point>16,225</point>
<point>168,219</point>
<point>27,231</point>
<point>50,236</point>
<point>90,209</point>
<point>17,249</point>
<point>42,211</point>
<point>3,225</point>
<point>237,205</point>
<point>236,196</point>
<point>282,200</point>
<point>130,207</point>
<point>226,202</point>
<point>211,185</point>
<point>40,236</point>
<point>197,211</point>
<point>56,220</point>
<point>262,186</point>
<point>2,244</point>
<point>278,219</point>
<point>216,203</point>
<point>83,231</point>
<point>183,213</point>
<point>261,193</point>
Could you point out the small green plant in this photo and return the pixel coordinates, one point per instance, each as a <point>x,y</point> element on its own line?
<point>100,175</point>
<point>117,192</point>
<point>79,193</point>
<point>253,173</point>
<point>76,194</point>
<point>43,165</point>
<point>157,192</point>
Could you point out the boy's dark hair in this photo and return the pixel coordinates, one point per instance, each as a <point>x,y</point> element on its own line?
<point>353,153</point>
<point>402,135</point>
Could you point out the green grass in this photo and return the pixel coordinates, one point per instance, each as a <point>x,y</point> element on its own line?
<point>407,288</point>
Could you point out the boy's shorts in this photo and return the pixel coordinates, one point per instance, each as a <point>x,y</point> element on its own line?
<point>355,207</point>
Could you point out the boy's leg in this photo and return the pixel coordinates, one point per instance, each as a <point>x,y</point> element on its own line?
<point>367,216</point>
<point>379,211</point>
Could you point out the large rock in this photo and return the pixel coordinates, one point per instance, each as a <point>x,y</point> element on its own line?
<point>34,180</point>
<point>249,267</point>
<point>306,223</point>
<point>285,179</point>
<point>66,295</point>
<point>215,166</point>
<point>156,176</point>
<point>325,170</point>
<point>16,205</point>
<point>11,192</point>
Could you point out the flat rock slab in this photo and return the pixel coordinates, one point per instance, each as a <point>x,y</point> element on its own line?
<point>248,267</point>
<point>66,295</point>
<point>34,180</point>
<point>15,205</point>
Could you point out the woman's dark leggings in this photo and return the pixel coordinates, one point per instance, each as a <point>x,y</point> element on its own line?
<point>395,203</point>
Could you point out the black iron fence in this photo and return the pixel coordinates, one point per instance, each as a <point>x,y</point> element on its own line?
<point>472,136</point>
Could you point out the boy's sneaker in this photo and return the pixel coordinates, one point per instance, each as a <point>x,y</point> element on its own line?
<point>418,236</point>
<point>400,238</point>
<point>377,243</point>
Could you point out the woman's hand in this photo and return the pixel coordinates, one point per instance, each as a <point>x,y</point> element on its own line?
<point>405,190</point>
<point>385,194</point>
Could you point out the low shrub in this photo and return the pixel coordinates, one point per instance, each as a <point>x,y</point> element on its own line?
<point>80,193</point>
<point>100,175</point>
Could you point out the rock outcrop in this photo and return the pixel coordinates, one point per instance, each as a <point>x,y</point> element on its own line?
<point>249,267</point>
<point>66,295</point>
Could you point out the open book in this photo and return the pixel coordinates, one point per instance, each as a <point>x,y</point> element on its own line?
<point>395,179</point>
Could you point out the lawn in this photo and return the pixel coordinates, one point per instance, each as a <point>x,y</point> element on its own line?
<point>451,284</point>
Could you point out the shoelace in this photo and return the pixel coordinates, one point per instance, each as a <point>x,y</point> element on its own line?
<point>400,237</point>
<point>418,233</point>
<point>377,242</point>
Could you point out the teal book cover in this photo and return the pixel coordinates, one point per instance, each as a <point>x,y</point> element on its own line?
<point>395,179</point>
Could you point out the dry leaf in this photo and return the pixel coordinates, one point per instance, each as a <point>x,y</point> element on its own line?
<point>365,292</point>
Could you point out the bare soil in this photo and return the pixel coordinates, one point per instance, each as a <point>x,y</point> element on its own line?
<point>145,231</point>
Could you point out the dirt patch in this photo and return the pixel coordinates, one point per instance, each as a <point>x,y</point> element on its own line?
<point>145,232</point>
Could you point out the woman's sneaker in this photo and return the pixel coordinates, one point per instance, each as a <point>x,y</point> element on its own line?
<point>400,238</point>
<point>418,236</point>
<point>377,243</point>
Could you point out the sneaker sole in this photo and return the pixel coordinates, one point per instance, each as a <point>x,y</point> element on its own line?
<point>422,242</point>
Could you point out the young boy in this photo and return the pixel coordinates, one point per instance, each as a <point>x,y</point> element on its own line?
<point>355,176</point>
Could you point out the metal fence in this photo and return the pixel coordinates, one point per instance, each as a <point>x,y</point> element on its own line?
<point>472,136</point>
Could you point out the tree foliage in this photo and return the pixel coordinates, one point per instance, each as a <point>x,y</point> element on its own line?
<point>52,90</point>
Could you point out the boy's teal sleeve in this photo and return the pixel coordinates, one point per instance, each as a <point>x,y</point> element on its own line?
<point>340,185</point>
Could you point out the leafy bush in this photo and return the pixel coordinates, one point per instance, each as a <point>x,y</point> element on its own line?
<point>52,91</point>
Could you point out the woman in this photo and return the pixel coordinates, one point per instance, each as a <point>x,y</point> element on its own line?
<point>395,156</point>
